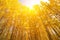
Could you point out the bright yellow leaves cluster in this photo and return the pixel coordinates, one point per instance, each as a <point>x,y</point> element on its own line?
<point>17,22</point>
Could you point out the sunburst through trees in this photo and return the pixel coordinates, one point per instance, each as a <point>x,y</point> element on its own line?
<point>19,22</point>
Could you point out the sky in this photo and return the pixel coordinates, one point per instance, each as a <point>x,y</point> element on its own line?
<point>29,2</point>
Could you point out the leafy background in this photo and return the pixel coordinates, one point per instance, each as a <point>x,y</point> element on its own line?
<point>18,22</point>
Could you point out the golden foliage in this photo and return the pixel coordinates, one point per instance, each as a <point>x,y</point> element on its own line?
<point>17,22</point>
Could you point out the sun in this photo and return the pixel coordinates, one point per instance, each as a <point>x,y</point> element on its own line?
<point>31,3</point>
